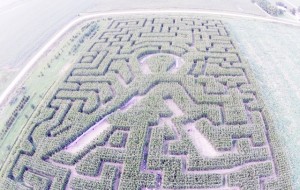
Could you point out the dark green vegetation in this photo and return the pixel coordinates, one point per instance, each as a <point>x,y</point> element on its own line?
<point>44,77</point>
<point>14,115</point>
<point>195,122</point>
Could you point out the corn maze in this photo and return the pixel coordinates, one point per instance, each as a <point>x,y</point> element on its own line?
<point>153,103</point>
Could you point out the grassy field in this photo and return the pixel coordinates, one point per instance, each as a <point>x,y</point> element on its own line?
<point>50,69</point>
<point>157,102</point>
<point>25,33</point>
<point>273,54</point>
<point>26,30</point>
<point>240,6</point>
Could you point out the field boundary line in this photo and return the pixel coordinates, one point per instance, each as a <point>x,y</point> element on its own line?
<point>86,16</point>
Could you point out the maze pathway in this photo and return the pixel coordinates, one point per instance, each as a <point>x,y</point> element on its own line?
<point>160,102</point>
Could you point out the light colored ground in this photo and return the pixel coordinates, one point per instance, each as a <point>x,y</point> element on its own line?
<point>121,80</point>
<point>273,53</point>
<point>173,107</point>
<point>6,5</point>
<point>240,6</point>
<point>133,101</point>
<point>93,132</point>
<point>50,43</point>
<point>27,25</point>
<point>74,173</point>
<point>178,63</point>
<point>88,136</point>
<point>37,87</point>
<point>27,30</point>
<point>201,143</point>
<point>145,65</point>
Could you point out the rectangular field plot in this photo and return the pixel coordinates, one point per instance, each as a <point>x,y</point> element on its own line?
<point>160,102</point>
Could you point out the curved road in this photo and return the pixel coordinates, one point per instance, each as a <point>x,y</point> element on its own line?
<point>86,16</point>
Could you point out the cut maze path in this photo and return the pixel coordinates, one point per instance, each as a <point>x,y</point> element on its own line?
<point>202,144</point>
<point>173,124</point>
<point>88,136</point>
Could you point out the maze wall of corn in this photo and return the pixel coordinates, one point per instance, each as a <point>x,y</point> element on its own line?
<point>156,102</point>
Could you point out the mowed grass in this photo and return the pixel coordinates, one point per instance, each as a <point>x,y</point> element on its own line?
<point>39,81</point>
<point>7,75</point>
<point>17,47</point>
<point>273,53</point>
<point>23,34</point>
<point>36,87</point>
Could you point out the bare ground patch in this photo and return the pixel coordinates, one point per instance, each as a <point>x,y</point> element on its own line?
<point>88,136</point>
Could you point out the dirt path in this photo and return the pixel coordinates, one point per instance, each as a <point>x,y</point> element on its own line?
<point>94,131</point>
<point>133,101</point>
<point>121,80</point>
<point>65,68</point>
<point>88,136</point>
<point>189,11</point>
<point>145,67</point>
<point>174,108</point>
<point>86,16</point>
<point>201,143</point>
<point>161,123</point>
<point>92,178</point>
<point>178,63</point>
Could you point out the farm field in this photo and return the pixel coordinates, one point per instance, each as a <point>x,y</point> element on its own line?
<point>27,30</point>
<point>26,26</point>
<point>158,102</point>
<point>39,81</point>
<point>239,6</point>
<point>273,55</point>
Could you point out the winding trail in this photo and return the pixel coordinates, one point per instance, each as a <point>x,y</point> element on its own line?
<point>85,16</point>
